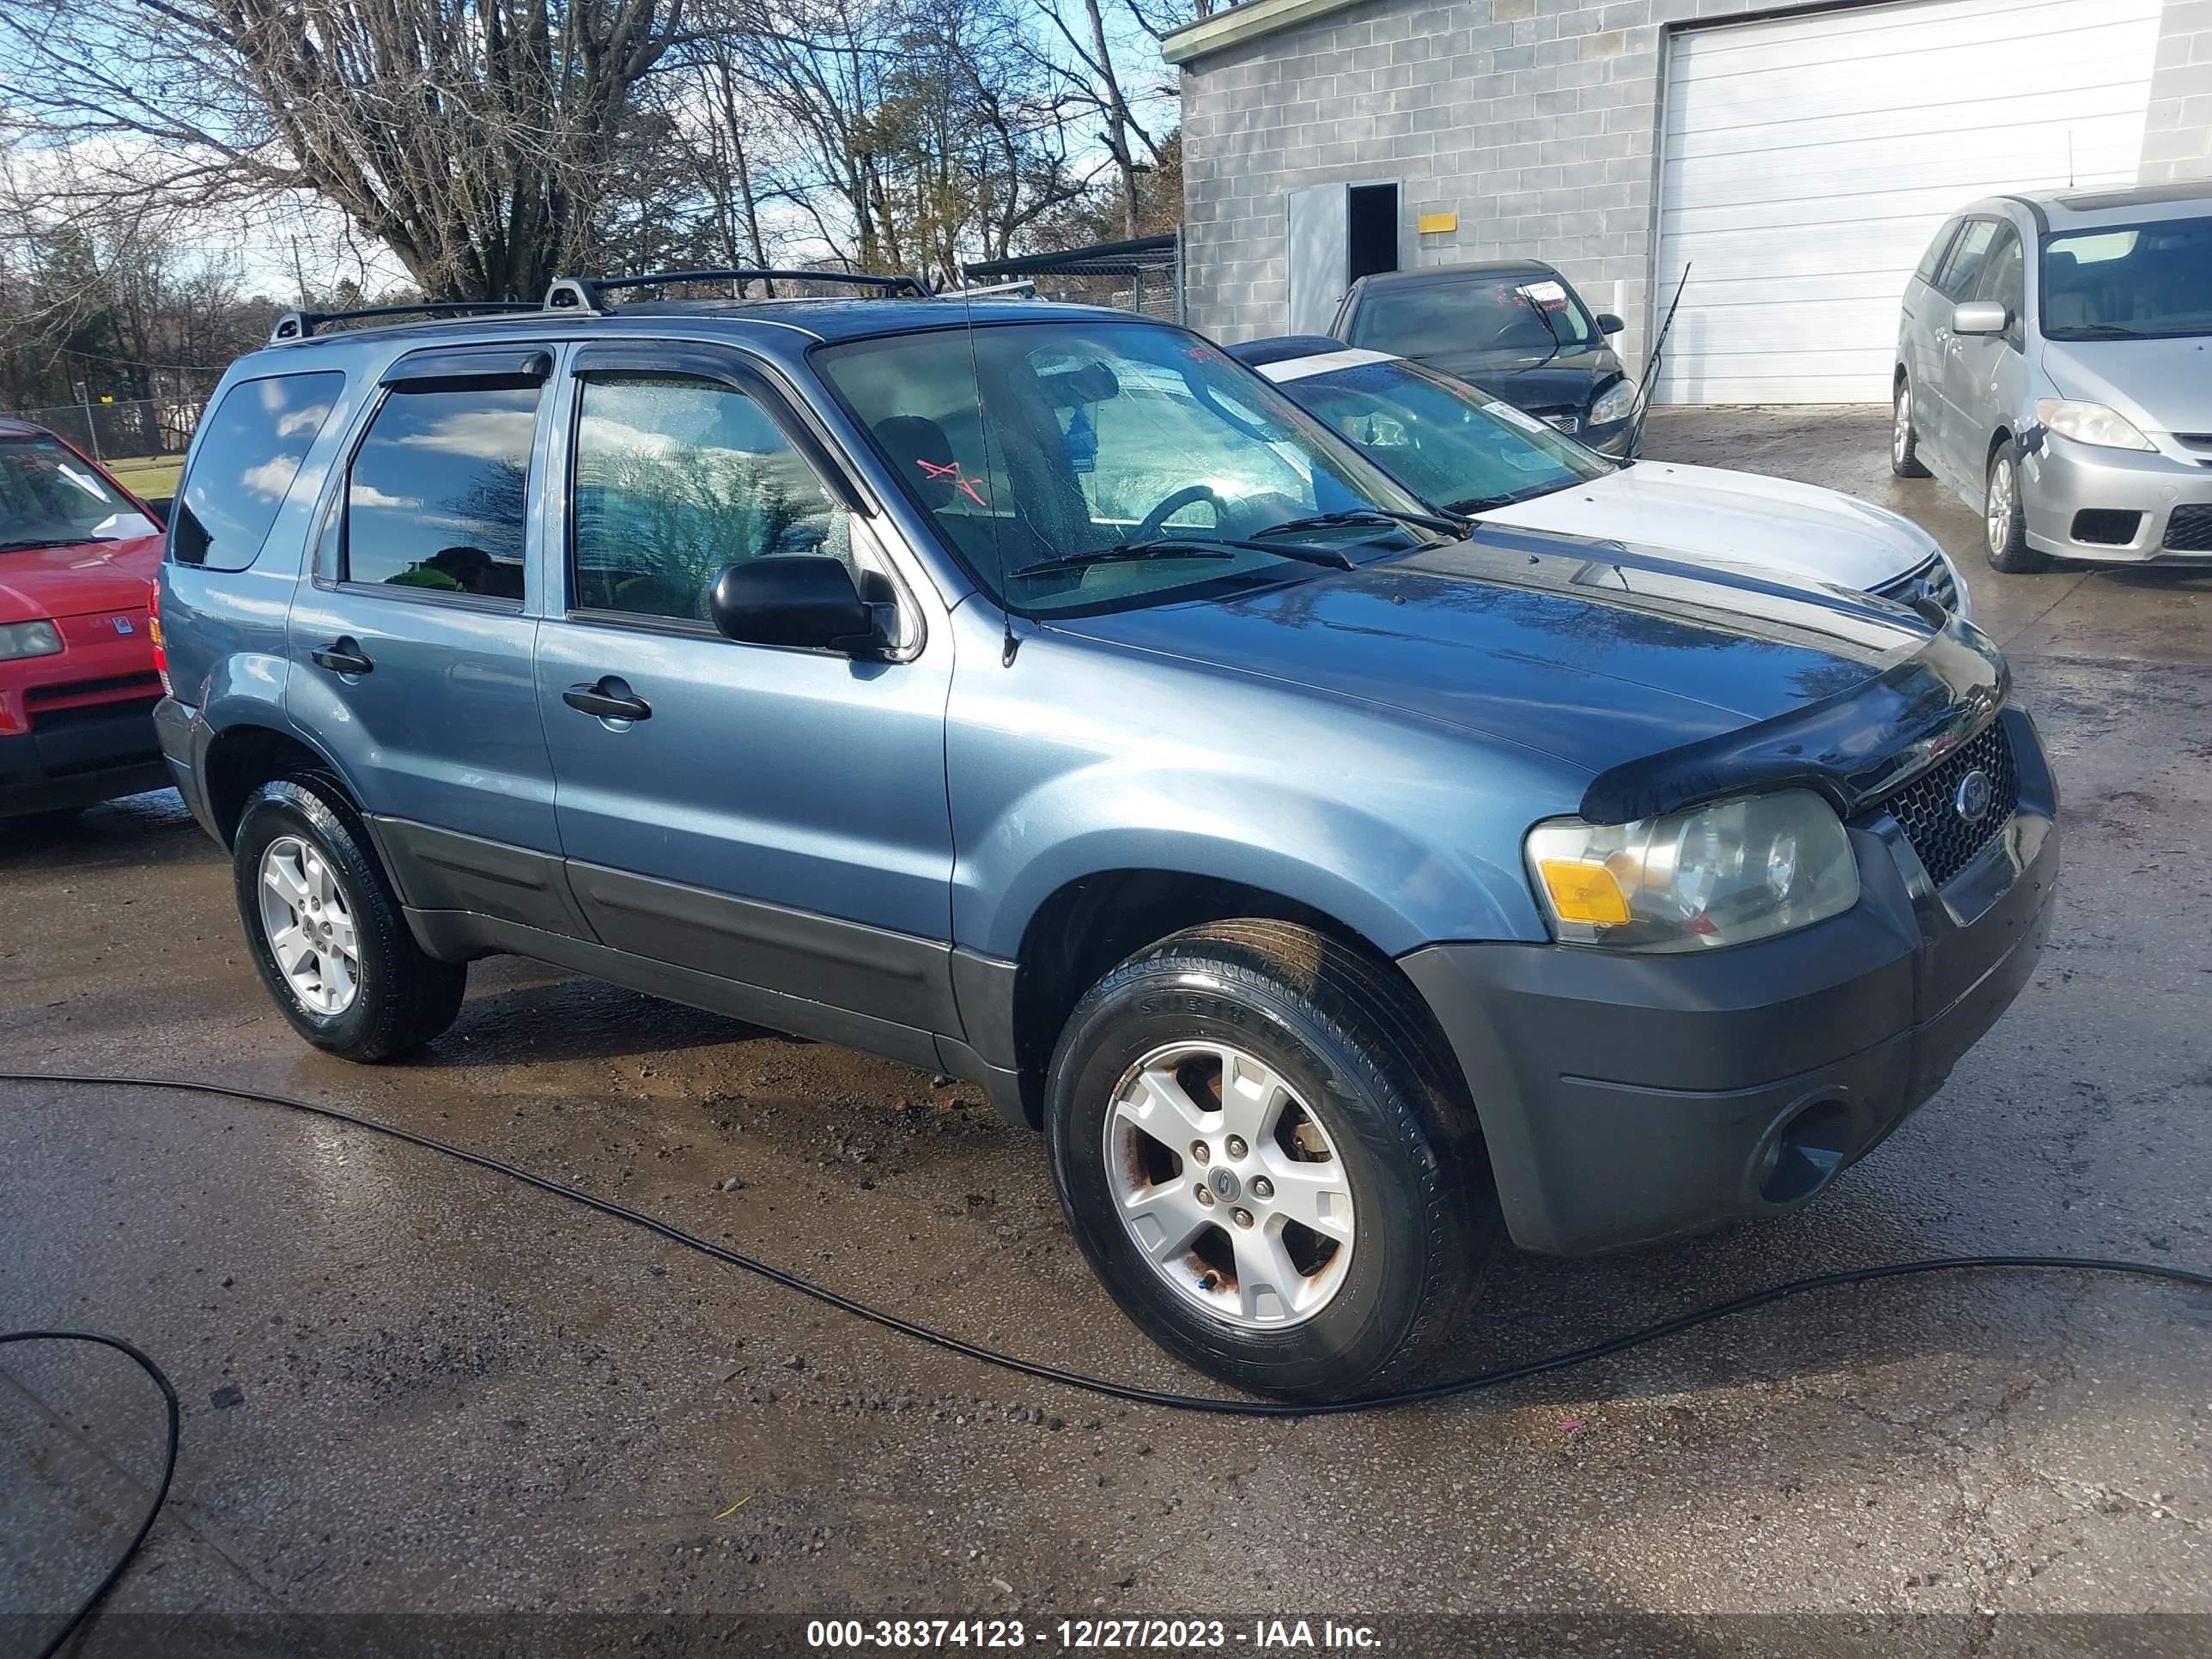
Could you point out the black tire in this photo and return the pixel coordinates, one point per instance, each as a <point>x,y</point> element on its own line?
<point>404,996</point>
<point>1903,433</point>
<point>1360,1051</point>
<point>2005,545</point>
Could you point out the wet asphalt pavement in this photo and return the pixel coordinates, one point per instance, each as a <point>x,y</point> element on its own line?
<point>409,1385</point>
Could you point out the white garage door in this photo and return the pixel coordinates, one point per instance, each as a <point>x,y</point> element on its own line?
<point>1807,161</point>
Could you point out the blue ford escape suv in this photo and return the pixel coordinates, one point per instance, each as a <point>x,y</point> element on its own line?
<point>1037,694</point>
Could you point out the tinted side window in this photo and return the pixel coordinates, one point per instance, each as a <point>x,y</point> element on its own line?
<point>1963,263</point>
<point>436,497</point>
<point>250,450</point>
<point>1926,269</point>
<point>676,477</point>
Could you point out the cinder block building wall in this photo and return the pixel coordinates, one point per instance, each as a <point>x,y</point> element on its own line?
<point>1798,159</point>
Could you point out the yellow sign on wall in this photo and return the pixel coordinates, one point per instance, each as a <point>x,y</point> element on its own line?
<point>1435,221</point>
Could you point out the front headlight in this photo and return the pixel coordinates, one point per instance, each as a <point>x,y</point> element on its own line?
<point>31,638</point>
<point>2090,423</point>
<point>1614,403</point>
<point>1724,873</point>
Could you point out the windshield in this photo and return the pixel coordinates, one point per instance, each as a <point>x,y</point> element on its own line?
<point>50,497</point>
<point>2128,281</point>
<point>1521,311</point>
<point>1452,445</point>
<point>1103,436</point>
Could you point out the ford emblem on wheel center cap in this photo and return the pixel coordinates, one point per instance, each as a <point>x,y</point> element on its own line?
<point>1226,1184</point>
<point>1972,800</point>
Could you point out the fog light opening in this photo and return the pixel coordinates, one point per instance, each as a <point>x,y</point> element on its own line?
<point>1807,1151</point>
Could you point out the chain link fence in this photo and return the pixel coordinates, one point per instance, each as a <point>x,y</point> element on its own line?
<point>135,429</point>
<point>1144,275</point>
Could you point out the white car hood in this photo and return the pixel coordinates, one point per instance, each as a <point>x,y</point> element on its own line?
<point>1703,512</point>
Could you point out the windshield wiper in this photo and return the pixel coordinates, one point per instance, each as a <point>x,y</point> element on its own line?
<point>1487,503</point>
<point>1451,526</point>
<point>1186,547</point>
<point>28,543</point>
<point>2101,331</point>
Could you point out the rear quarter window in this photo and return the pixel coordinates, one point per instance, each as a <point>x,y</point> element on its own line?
<point>243,467</point>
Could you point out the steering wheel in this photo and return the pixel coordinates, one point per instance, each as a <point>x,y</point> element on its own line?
<point>1156,521</point>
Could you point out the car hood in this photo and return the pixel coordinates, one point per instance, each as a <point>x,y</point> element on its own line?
<point>72,581</point>
<point>1525,380</point>
<point>2162,386</point>
<point>1704,513</point>
<point>1584,650</point>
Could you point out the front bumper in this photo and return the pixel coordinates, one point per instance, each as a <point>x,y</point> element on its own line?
<point>1626,1098</point>
<point>2084,501</point>
<point>76,756</point>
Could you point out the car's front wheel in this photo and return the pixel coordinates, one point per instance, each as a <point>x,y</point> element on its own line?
<point>326,931</point>
<point>2004,524</point>
<point>1262,1155</point>
<point>1904,435</point>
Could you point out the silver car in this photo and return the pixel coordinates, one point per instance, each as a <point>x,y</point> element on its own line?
<point>2054,367</point>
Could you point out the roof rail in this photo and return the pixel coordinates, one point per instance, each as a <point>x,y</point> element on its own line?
<point>1019,289</point>
<point>302,325</point>
<point>587,294</point>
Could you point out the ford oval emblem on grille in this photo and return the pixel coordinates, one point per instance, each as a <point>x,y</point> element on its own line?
<point>1972,799</point>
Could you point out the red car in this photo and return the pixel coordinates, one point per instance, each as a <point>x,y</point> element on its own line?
<point>78,554</point>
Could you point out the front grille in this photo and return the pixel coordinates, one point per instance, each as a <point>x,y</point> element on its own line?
<point>1925,807</point>
<point>1567,423</point>
<point>1933,581</point>
<point>2190,529</point>
<point>2106,527</point>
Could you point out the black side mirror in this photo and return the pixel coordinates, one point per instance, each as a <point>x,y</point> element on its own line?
<point>1609,324</point>
<point>805,600</point>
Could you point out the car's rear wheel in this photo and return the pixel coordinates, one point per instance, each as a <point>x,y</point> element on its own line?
<point>2004,524</point>
<point>1903,436</point>
<point>1261,1152</point>
<point>326,930</point>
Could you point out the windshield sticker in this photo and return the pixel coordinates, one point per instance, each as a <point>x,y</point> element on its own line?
<point>1513,417</point>
<point>1548,295</point>
<point>935,472</point>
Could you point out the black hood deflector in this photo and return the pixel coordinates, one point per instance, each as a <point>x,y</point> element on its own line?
<point>1852,747</point>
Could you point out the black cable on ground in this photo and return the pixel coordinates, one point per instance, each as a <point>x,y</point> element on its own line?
<point>160,1491</point>
<point>1112,1390</point>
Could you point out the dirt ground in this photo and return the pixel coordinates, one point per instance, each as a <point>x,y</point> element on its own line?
<point>412,1388</point>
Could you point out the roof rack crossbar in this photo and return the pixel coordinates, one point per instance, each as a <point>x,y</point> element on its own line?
<point>302,325</point>
<point>584,293</point>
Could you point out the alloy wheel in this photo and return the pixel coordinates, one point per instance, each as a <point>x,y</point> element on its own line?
<point>309,926</point>
<point>1901,431</point>
<point>1230,1185</point>
<point>1996,520</point>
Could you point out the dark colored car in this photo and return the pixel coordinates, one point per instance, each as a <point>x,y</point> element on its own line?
<point>1037,694</point>
<point>78,554</point>
<point>1517,329</point>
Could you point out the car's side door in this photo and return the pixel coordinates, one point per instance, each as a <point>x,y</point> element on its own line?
<point>770,816</point>
<point>1982,373</point>
<point>413,641</point>
<point>1954,282</point>
<point>1921,311</point>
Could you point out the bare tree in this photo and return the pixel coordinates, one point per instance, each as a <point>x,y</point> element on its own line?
<point>473,138</point>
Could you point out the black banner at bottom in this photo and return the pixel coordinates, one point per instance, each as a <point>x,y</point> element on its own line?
<point>1048,1636</point>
